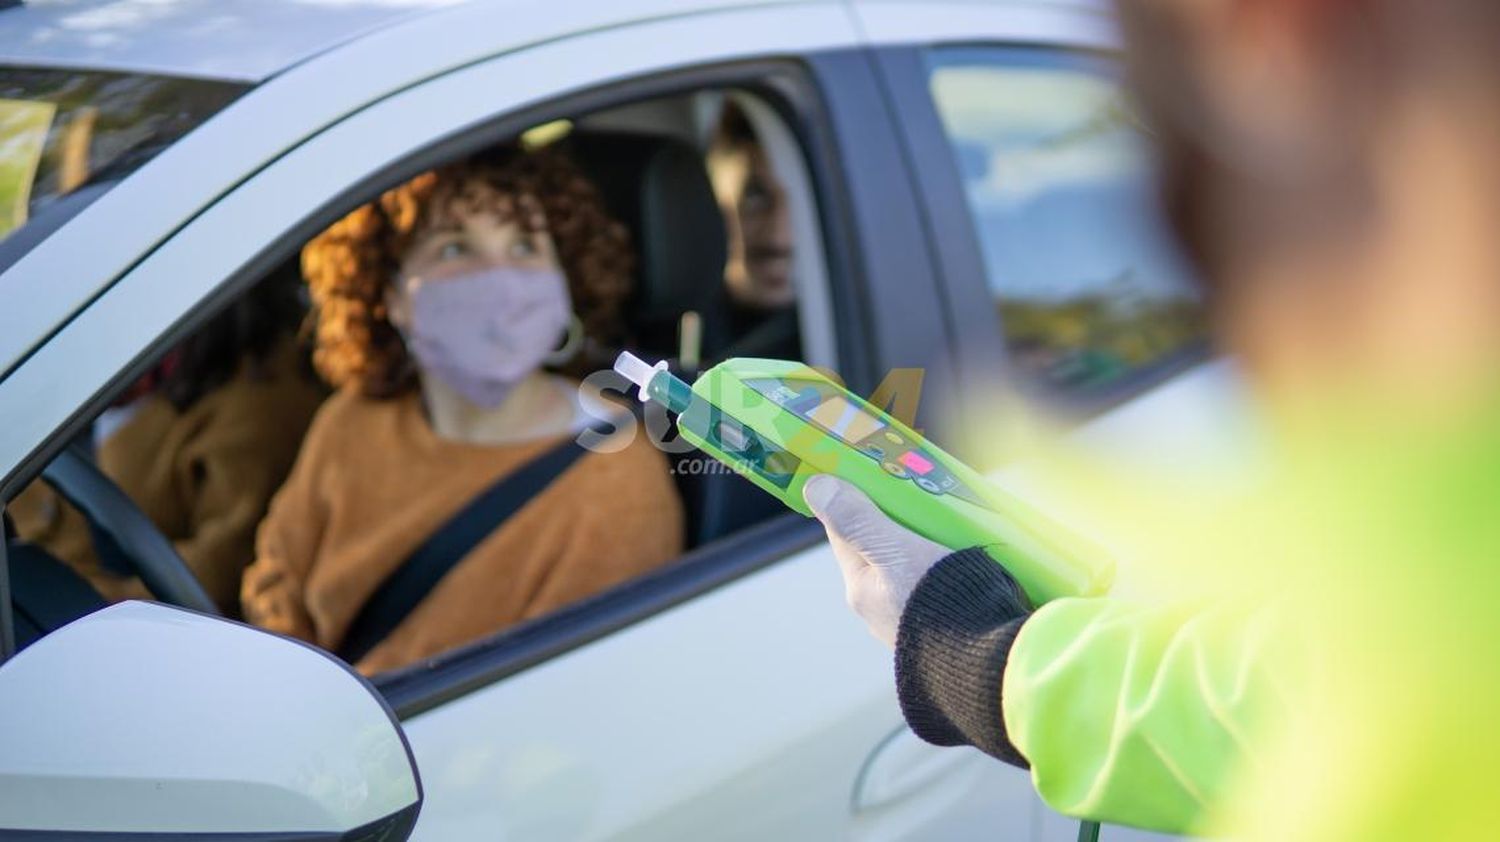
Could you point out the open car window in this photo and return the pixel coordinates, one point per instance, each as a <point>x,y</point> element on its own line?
<point>674,172</point>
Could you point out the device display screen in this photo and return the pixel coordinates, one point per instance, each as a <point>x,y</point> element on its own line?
<point>845,420</point>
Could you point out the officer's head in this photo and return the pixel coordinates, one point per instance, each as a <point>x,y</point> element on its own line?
<point>1333,168</point>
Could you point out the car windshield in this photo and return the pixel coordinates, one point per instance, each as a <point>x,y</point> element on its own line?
<point>67,136</point>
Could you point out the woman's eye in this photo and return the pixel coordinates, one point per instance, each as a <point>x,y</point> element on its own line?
<point>523,248</point>
<point>452,249</point>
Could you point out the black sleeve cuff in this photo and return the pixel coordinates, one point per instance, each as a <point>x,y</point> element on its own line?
<point>951,646</point>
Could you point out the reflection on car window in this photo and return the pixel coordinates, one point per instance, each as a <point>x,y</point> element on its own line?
<point>1088,290</point>
<point>61,130</point>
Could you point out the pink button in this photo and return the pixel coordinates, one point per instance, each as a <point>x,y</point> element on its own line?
<point>915,462</point>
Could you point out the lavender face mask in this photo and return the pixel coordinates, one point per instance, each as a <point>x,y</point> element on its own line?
<point>484,332</point>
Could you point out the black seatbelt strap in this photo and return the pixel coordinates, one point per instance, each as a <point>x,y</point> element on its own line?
<point>404,589</point>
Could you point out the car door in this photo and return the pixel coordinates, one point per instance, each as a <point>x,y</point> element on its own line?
<point>733,697</point>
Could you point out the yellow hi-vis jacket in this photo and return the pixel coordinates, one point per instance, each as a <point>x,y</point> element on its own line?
<point>1336,675</point>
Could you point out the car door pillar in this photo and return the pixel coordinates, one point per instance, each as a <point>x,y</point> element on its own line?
<point>899,299</point>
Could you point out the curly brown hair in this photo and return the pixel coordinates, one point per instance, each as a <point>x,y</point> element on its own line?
<point>350,265</point>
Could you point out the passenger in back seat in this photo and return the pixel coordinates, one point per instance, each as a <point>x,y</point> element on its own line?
<point>762,295</point>
<point>440,308</point>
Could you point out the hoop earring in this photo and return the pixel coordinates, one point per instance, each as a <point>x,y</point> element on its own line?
<point>570,344</point>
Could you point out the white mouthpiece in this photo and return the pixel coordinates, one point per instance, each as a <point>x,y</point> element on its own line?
<point>637,370</point>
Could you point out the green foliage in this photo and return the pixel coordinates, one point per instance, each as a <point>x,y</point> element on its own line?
<point>1094,339</point>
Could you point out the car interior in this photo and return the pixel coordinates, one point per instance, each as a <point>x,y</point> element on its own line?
<point>648,160</point>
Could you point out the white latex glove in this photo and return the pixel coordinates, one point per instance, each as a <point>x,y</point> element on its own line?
<point>881,560</point>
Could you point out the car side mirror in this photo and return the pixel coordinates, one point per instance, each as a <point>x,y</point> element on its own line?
<point>142,720</point>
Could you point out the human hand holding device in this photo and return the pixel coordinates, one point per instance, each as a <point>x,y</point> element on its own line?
<point>893,504</point>
<point>950,616</point>
<point>881,560</point>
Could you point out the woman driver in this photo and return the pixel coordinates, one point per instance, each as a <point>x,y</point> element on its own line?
<point>438,306</point>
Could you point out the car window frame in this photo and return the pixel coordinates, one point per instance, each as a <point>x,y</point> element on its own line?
<point>984,358</point>
<point>776,80</point>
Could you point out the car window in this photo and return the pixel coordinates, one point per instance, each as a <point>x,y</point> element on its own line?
<point>62,131</point>
<point>297,472</point>
<point>1088,291</point>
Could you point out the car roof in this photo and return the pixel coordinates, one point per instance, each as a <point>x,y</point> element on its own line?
<point>243,40</point>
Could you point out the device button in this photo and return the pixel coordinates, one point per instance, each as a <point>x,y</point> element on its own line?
<point>917,462</point>
<point>895,470</point>
<point>874,450</point>
<point>928,485</point>
<point>893,438</point>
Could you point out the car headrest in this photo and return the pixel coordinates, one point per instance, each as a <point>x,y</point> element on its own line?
<point>658,188</point>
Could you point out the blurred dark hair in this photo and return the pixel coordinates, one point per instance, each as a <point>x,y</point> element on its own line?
<point>244,334</point>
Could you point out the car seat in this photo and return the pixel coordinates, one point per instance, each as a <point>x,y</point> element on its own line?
<point>657,186</point>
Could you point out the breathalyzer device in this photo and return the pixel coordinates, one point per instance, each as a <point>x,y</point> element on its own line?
<point>779,423</point>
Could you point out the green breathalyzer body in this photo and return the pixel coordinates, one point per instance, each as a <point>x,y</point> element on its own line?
<point>780,423</point>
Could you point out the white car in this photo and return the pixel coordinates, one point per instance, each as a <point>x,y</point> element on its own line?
<point>968,197</point>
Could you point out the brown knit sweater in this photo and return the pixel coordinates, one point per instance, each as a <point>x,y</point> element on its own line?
<point>203,475</point>
<point>373,481</point>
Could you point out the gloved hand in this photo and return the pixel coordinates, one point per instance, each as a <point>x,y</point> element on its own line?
<point>881,560</point>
